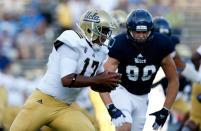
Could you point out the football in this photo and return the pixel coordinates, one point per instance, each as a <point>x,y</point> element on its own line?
<point>105,89</point>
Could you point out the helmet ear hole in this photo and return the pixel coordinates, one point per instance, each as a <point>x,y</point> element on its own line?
<point>88,30</point>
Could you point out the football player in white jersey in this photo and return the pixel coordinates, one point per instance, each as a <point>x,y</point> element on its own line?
<point>195,115</point>
<point>73,64</point>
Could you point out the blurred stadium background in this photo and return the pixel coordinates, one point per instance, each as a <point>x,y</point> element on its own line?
<point>28,29</point>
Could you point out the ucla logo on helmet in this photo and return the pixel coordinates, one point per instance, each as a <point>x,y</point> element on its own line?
<point>92,17</point>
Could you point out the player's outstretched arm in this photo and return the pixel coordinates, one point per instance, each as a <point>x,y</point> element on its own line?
<point>173,86</point>
<point>117,117</point>
<point>111,64</point>
<point>173,82</point>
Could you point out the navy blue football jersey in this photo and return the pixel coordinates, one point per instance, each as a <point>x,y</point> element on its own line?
<point>139,67</point>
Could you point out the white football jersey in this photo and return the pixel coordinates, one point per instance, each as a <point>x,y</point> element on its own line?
<point>75,55</point>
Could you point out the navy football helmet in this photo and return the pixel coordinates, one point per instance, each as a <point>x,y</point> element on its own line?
<point>162,26</point>
<point>139,20</point>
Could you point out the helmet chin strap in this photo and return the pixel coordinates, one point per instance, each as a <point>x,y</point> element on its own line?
<point>136,39</point>
<point>95,46</point>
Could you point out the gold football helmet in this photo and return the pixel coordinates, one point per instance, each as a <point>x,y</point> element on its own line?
<point>92,25</point>
<point>119,19</point>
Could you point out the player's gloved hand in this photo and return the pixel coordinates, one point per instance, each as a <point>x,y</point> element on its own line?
<point>118,118</point>
<point>161,117</point>
<point>106,81</point>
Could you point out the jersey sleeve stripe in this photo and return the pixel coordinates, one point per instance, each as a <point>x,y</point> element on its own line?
<point>79,35</point>
<point>57,44</point>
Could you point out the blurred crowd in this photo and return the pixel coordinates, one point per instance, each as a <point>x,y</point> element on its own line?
<point>26,29</point>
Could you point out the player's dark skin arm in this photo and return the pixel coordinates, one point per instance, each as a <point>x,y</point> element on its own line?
<point>196,57</point>
<point>169,69</point>
<point>82,81</point>
<point>178,62</point>
<point>111,65</point>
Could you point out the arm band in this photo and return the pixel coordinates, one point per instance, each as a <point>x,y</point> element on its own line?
<point>73,80</point>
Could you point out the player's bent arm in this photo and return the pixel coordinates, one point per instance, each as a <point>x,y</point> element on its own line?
<point>76,80</point>
<point>101,80</point>
<point>173,82</point>
<point>111,64</point>
<point>187,70</point>
<point>68,64</point>
<point>70,77</point>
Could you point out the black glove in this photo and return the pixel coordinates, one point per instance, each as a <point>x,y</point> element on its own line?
<point>161,117</point>
<point>118,118</point>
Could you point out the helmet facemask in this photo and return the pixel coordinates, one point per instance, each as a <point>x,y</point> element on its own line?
<point>139,40</point>
<point>103,31</point>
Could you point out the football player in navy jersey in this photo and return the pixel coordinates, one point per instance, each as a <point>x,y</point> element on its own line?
<point>137,55</point>
<point>162,26</point>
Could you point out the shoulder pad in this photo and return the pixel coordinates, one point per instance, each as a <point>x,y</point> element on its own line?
<point>70,38</point>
